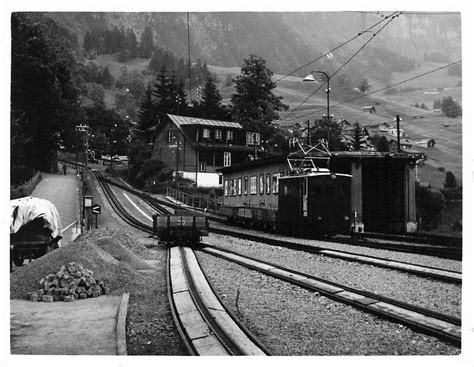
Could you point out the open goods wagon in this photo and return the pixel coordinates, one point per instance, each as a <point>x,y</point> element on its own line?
<point>181,229</point>
<point>35,229</point>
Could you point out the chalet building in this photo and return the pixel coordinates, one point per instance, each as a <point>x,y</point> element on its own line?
<point>202,146</point>
<point>393,132</point>
<point>426,143</point>
<point>370,109</point>
<point>404,144</point>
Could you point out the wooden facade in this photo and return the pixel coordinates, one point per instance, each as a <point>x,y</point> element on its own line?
<point>196,147</point>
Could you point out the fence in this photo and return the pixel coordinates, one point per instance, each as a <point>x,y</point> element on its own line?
<point>195,201</point>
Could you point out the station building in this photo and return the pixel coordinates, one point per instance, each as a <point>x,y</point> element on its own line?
<point>382,186</point>
<point>197,147</point>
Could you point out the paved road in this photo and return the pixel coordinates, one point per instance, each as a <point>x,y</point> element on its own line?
<point>61,190</point>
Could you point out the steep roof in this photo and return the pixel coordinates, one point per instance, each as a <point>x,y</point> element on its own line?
<point>184,120</point>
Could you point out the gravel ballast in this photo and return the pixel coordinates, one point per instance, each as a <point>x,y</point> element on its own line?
<point>448,264</point>
<point>425,292</point>
<point>292,321</point>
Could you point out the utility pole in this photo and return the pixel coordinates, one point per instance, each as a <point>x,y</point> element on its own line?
<point>84,129</point>
<point>398,133</point>
<point>189,60</point>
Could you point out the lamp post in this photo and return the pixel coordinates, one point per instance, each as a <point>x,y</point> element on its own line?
<point>85,130</point>
<point>310,78</point>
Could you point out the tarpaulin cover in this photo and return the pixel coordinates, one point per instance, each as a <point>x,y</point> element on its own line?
<point>24,210</point>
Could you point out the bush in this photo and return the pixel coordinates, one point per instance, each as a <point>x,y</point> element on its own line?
<point>20,175</point>
<point>151,167</point>
<point>453,193</point>
<point>429,204</point>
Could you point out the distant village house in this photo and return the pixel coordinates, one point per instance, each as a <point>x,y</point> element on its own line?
<point>370,109</point>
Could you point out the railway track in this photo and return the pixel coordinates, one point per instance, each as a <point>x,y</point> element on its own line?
<point>205,325</point>
<point>423,244</point>
<point>419,270</point>
<point>445,327</point>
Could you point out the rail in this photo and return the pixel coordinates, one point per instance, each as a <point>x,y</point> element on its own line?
<point>195,201</point>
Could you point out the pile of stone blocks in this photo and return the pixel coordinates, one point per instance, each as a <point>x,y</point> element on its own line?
<point>70,283</point>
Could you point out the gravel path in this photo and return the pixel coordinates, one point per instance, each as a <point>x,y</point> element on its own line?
<point>425,292</point>
<point>390,255</point>
<point>292,321</point>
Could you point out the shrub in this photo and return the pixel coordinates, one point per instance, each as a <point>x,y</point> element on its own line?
<point>429,204</point>
<point>453,193</point>
<point>20,175</point>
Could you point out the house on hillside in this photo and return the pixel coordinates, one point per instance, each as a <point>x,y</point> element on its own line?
<point>426,143</point>
<point>370,109</point>
<point>365,140</point>
<point>196,147</point>
<point>393,132</point>
<point>393,145</point>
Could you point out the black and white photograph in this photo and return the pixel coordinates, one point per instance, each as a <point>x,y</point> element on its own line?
<point>224,180</point>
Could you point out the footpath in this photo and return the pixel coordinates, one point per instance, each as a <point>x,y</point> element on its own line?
<point>94,326</point>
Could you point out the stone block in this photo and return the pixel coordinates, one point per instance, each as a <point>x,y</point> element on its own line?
<point>68,298</point>
<point>34,297</point>
<point>48,298</point>
<point>83,296</point>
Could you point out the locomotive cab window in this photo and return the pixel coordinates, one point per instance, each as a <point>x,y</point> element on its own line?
<point>246,185</point>
<point>226,188</point>
<point>275,183</point>
<point>267,183</point>
<point>239,186</point>
<point>261,184</point>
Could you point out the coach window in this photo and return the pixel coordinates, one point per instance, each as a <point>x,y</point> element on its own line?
<point>253,185</point>
<point>230,136</point>
<point>267,184</point>
<point>246,185</point>
<point>218,134</point>
<point>234,187</point>
<point>239,186</point>
<point>275,183</point>
<point>261,184</point>
<point>206,133</point>
<point>226,188</point>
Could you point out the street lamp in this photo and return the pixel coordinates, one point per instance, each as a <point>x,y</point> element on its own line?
<point>310,78</point>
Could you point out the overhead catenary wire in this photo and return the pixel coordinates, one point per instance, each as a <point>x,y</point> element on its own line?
<point>335,48</point>
<point>392,17</point>
<point>376,91</point>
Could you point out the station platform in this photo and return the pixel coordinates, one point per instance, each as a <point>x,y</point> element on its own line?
<point>92,326</point>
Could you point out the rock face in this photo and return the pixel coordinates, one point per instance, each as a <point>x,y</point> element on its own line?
<point>286,40</point>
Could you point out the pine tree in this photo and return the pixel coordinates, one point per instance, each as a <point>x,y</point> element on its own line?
<point>383,145</point>
<point>146,43</point>
<point>87,44</point>
<point>130,43</point>
<point>161,93</point>
<point>255,105</point>
<point>210,107</point>
<point>106,78</point>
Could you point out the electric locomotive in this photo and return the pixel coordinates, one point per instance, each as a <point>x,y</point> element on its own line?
<point>314,204</point>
